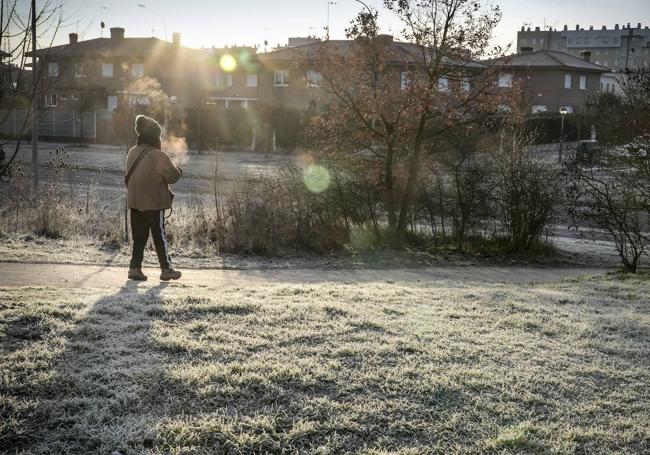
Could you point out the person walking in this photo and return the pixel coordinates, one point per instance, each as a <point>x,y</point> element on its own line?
<point>149,172</point>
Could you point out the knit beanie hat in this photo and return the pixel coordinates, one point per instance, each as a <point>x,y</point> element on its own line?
<point>148,131</point>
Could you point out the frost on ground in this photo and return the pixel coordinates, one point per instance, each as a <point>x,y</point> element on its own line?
<point>378,368</point>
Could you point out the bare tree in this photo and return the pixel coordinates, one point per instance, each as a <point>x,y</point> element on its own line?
<point>615,196</point>
<point>389,101</point>
<point>18,89</point>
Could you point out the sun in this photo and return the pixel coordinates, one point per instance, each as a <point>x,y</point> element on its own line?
<point>228,63</point>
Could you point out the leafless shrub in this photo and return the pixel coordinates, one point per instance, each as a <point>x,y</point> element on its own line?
<point>525,191</point>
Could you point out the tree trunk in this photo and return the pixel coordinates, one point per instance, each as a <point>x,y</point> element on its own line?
<point>413,172</point>
<point>390,199</point>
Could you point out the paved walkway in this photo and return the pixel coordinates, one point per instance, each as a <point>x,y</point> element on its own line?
<point>92,276</point>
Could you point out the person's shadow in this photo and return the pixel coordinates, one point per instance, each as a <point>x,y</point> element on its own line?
<point>108,341</point>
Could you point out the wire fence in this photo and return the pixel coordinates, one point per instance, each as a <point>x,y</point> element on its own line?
<point>61,124</point>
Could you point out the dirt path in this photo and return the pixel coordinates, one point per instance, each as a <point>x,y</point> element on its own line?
<point>93,276</point>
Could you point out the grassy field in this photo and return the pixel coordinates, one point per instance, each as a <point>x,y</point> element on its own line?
<point>376,368</point>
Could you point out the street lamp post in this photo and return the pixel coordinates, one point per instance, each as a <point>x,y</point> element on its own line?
<point>563,111</point>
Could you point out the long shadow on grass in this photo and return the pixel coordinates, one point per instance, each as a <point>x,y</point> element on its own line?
<point>250,387</point>
<point>90,397</point>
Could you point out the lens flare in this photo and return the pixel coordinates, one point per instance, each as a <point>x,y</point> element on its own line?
<point>316,178</point>
<point>228,63</point>
<point>245,57</point>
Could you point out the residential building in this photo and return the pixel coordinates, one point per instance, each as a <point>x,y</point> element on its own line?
<point>551,79</point>
<point>293,74</point>
<point>231,77</point>
<point>115,72</point>
<point>616,48</point>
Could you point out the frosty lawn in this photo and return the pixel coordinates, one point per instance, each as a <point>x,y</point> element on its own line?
<point>328,368</point>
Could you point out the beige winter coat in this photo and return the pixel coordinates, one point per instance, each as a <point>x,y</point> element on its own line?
<point>148,187</point>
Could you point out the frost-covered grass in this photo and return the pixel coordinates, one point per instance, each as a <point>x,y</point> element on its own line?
<point>375,368</point>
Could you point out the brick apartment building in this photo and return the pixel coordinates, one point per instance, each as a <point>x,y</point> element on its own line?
<point>552,79</point>
<point>104,76</point>
<point>101,73</point>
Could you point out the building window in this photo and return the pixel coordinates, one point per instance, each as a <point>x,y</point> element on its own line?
<point>568,81</point>
<point>539,108</point>
<point>534,41</point>
<point>107,70</point>
<point>111,102</point>
<point>79,70</point>
<point>314,78</point>
<point>251,80</point>
<point>583,82</point>
<point>505,80</point>
<point>443,84</point>
<point>244,104</point>
<point>53,69</point>
<point>50,100</point>
<point>466,84</point>
<point>137,70</point>
<point>229,80</point>
<point>606,63</point>
<point>403,80</point>
<point>281,78</point>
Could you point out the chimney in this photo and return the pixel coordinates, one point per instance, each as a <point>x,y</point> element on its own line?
<point>566,27</point>
<point>117,33</point>
<point>628,25</point>
<point>604,27</point>
<point>176,38</point>
<point>591,27</point>
<point>73,38</point>
<point>537,29</point>
<point>523,29</point>
<point>638,26</point>
<point>525,49</point>
<point>577,26</point>
<point>616,27</point>
<point>586,55</point>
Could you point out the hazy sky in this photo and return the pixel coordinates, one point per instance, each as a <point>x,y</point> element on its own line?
<point>250,22</point>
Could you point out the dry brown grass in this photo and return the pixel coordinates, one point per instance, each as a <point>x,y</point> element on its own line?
<point>333,368</point>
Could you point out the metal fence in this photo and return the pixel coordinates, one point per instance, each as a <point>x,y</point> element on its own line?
<point>56,123</point>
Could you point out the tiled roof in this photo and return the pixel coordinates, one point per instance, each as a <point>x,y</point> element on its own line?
<point>401,53</point>
<point>110,46</point>
<point>548,59</point>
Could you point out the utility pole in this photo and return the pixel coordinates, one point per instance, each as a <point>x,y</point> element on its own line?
<point>35,78</point>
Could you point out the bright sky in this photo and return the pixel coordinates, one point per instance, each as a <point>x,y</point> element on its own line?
<point>250,22</point>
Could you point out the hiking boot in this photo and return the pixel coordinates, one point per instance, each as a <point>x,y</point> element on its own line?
<point>137,275</point>
<point>169,274</point>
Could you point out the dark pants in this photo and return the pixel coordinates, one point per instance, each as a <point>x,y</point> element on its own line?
<point>141,223</point>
